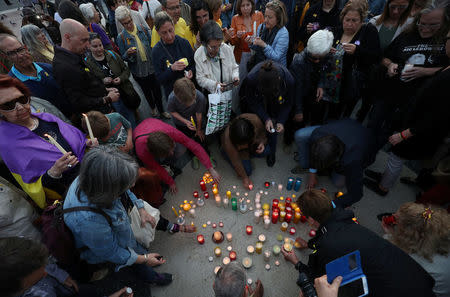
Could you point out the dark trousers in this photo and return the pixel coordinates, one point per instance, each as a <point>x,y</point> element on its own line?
<point>191,134</point>
<point>152,90</point>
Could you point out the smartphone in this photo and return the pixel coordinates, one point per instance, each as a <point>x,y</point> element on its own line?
<point>356,287</point>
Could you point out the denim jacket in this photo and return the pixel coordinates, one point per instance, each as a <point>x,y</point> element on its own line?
<point>115,244</point>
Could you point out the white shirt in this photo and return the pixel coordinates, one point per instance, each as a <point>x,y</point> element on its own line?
<point>149,7</point>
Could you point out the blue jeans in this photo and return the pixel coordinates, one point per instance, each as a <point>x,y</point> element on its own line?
<point>125,112</point>
<point>302,137</point>
<point>246,162</point>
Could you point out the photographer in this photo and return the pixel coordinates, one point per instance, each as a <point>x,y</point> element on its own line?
<point>389,270</point>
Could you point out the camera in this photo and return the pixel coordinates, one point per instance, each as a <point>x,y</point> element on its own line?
<point>304,281</point>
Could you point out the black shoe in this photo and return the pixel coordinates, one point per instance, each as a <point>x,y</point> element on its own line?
<point>381,215</point>
<point>163,279</point>
<point>376,176</point>
<point>270,160</point>
<point>373,186</point>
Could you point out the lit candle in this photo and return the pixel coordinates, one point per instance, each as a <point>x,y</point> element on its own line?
<point>247,262</point>
<point>229,236</point>
<point>186,206</point>
<point>302,219</point>
<point>175,211</point>
<point>228,194</point>
<point>232,255</point>
<point>287,247</point>
<point>288,217</point>
<point>217,251</point>
<point>233,203</point>
<point>258,247</point>
<point>276,250</point>
<point>250,249</point>
<point>267,255</point>
<point>202,185</point>
<point>215,191</point>
<point>281,206</point>
<point>284,226</point>
<point>200,201</point>
<point>249,230</point>
<point>298,183</point>
<point>297,217</point>
<point>200,239</point>
<point>225,202</point>
<point>257,216</point>
<point>282,215</point>
<point>280,187</point>
<point>275,216</point>
<point>288,209</point>
<point>266,206</point>
<point>216,269</point>
<point>294,205</point>
<point>262,238</point>
<point>266,212</point>
<point>217,237</point>
<point>266,223</point>
<point>258,205</point>
<point>214,225</point>
<point>192,212</point>
<point>229,248</point>
<point>250,187</point>
<point>266,185</point>
<point>55,143</point>
<point>226,261</point>
<point>338,194</point>
<point>220,224</point>
<point>195,194</point>
<point>312,233</point>
<point>267,266</point>
<point>88,125</point>
<point>218,200</point>
<point>243,206</point>
<point>292,230</point>
<point>206,195</point>
<point>257,196</point>
<point>290,183</point>
<point>274,204</point>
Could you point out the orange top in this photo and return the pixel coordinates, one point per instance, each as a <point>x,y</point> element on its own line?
<point>237,23</point>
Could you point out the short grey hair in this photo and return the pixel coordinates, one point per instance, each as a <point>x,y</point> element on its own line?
<point>29,36</point>
<point>105,174</point>
<point>320,43</point>
<point>122,12</point>
<point>230,281</point>
<point>87,9</point>
<point>161,18</point>
<point>210,31</point>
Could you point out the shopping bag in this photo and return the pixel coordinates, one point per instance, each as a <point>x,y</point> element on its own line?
<point>143,235</point>
<point>219,111</point>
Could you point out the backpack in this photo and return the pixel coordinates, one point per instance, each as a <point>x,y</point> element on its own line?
<point>58,238</point>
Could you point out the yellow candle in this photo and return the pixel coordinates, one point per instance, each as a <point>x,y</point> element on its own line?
<point>287,247</point>
<point>266,212</point>
<point>217,251</point>
<point>284,226</point>
<point>281,206</point>
<point>215,191</point>
<point>258,247</point>
<point>88,125</point>
<point>175,211</point>
<point>282,215</point>
<point>266,206</point>
<point>55,143</point>
<point>228,194</point>
<point>297,217</point>
<point>192,121</point>
<point>294,205</point>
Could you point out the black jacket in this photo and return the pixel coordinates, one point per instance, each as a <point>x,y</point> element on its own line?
<point>390,272</point>
<point>83,89</point>
<point>326,20</point>
<point>359,153</point>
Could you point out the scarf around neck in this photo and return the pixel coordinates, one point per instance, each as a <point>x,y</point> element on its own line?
<point>139,44</point>
<point>268,37</point>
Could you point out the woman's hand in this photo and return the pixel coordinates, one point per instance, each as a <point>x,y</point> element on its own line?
<point>392,69</point>
<point>64,163</point>
<point>324,289</point>
<point>120,293</point>
<point>70,283</point>
<point>247,182</point>
<point>259,42</point>
<point>269,126</point>
<point>216,176</point>
<point>319,94</point>
<point>92,142</point>
<point>249,39</point>
<point>107,80</point>
<point>188,74</point>
<point>260,148</point>
<point>146,218</point>
<point>289,256</point>
<point>116,81</point>
<point>415,72</point>
<point>178,66</point>
<point>395,139</point>
<point>152,259</point>
<point>131,51</point>
<point>349,48</point>
<point>173,189</point>
<point>280,128</point>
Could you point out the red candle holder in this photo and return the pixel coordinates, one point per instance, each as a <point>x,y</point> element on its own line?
<point>200,239</point>
<point>312,233</point>
<point>288,209</point>
<point>250,187</point>
<point>202,185</point>
<point>206,195</point>
<point>288,202</point>
<point>249,230</point>
<point>267,185</point>
<point>195,194</point>
<point>275,204</point>
<point>288,217</point>
<point>292,231</point>
<point>233,256</point>
<point>302,219</point>
<point>275,216</point>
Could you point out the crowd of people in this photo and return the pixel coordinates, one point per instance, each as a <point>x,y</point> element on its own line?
<point>338,80</point>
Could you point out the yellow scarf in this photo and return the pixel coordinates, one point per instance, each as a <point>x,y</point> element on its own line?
<point>140,46</point>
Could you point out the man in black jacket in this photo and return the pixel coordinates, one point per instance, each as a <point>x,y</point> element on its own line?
<point>343,149</point>
<point>390,272</point>
<point>83,89</point>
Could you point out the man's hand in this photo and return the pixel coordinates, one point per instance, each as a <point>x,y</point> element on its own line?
<point>349,48</point>
<point>70,283</point>
<point>146,218</point>
<point>131,51</point>
<point>260,148</point>
<point>289,256</point>
<point>259,42</point>
<point>178,66</point>
<point>324,289</point>
<point>395,139</point>
<point>280,128</point>
<point>269,126</point>
<point>303,243</point>
<point>120,293</point>
<point>173,189</point>
<point>153,261</point>
<point>312,181</point>
<point>114,95</point>
<point>258,292</point>
<point>415,72</point>
<point>189,125</point>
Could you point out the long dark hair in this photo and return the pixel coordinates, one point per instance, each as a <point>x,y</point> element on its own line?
<point>196,6</point>
<point>385,15</point>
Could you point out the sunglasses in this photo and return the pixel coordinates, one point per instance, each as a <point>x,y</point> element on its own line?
<point>11,105</point>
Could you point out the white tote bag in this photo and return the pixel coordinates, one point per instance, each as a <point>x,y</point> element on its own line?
<point>219,111</point>
<point>144,235</point>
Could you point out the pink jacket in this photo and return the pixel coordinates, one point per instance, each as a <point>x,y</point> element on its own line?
<point>154,125</point>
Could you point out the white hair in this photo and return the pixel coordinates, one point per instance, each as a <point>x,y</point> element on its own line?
<point>87,9</point>
<point>122,12</point>
<point>320,43</point>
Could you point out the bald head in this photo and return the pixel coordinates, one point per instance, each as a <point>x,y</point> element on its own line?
<point>74,36</point>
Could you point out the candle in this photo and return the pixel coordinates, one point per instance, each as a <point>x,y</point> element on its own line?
<point>228,194</point>
<point>88,125</point>
<point>262,238</point>
<point>243,206</point>
<point>294,205</point>
<point>287,246</point>
<point>200,201</point>
<point>214,225</point>
<point>267,255</point>
<point>250,187</point>
<point>257,216</point>
<point>275,216</point>
<point>312,233</point>
<point>215,191</point>
<point>249,230</point>
<point>225,202</point>
<point>281,206</point>
<point>217,251</point>
<point>292,230</point>
<point>302,219</point>
<point>220,224</point>
<point>232,255</point>
<point>267,266</point>
<point>297,217</point>
<point>266,206</point>
<point>206,195</point>
<point>216,269</point>
<point>202,185</point>
<point>257,196</point>
<point>186,206</point>
<point>284,226</point>
<point>274,204</point>
<point>276,250</point>
<point>175,211</point>
<point>192,212</point>
<point>226,261</point>
<point>280,237</point>
<point>266,223</point>
<point>266,212</point>
<point>280,187</point>
<point>282,215</point>
<point>258,205</point>
<point>200,239</point>
<point>247,262</point>
<point>288,217</point>
<point>298,183</point>
<point>233,203</point>
<point>217,237</point>
<point>229,236</point>
<point>258,247</point>
<point>254,28</point>
<point>290,183</point>
<point>195,194</point>
<point>338,194</point>
<point>266,185</point>
<point>218,200</point>
<point>229,248</point>
<point>55,143</point>
<point>277,263</point>
<point>288,209</point>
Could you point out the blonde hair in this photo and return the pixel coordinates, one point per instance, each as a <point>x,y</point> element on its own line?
<point>184,90</point>
<point>315,204</point>
<point>422,230</point>
<point>280,12</point>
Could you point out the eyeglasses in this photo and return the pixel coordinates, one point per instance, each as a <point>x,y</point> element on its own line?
<point>21,50</point>
<point>173,7</point>
<point>213,48</point>
<point>11,105</point>
<point>398,7</point>
<point>428,26</point>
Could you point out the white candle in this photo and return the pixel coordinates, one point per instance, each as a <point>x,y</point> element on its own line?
<point>266,223</point>
<point>88,125</point>
<point>257,216</point>
<point>55,143</point>
<point>280,187</point>
<point>254,28</point>
<point>192,212</point>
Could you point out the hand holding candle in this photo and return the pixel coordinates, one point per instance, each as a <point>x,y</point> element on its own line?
<point>88,125</point>
<point>55,143</point>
